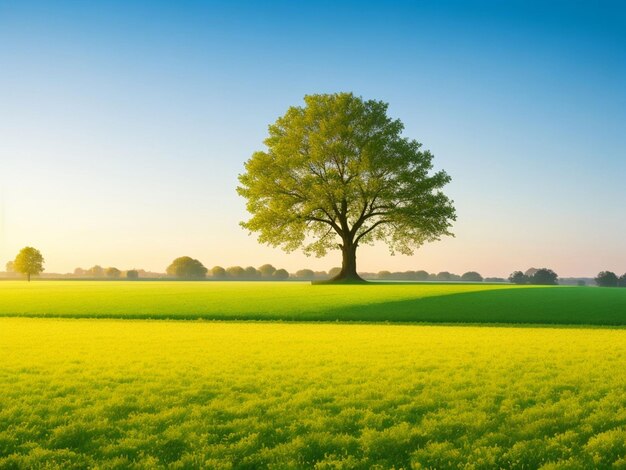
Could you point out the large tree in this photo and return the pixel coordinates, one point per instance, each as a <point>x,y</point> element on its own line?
<point>337,173</point>
<point>28,261</point>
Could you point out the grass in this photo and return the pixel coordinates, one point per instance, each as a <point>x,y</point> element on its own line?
<point>140,394</point>
<point>403,302</point>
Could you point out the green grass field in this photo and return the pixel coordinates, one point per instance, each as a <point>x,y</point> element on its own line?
<point>148,394</point>
<point>101,392</point>
<point>467,303</point>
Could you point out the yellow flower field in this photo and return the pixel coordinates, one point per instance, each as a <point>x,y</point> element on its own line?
<point>146,394</point>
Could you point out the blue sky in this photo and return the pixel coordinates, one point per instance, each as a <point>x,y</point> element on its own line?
<point>123,125</point>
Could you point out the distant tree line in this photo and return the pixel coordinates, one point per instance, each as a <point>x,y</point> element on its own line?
<point>610,279</point>
<point>98,272</point>
<point>29,262</point>
<point>470,276</point>
<point>186,267</point>
<point>538,277</point>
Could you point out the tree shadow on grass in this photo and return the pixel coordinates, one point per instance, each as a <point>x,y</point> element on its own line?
<point>582,306</point>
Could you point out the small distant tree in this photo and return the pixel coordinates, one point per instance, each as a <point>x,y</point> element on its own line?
<point>267,270</point>
<point>95,271</point>
<point>544,277</point>
<point>9,267</point>
<point>581,283</point>
<point>384,275</point>
<point>28,261</point>
<point>79,272</point>
<point>421,275</point>
<point>621,282</point>
<point>444,276</point>
<point>518,277</point>
<point>305,274</point>
<point>472,276</point>
<point>113,273</point>
<point>186,267</point>
<point>252,273</point>
<point>132,274</point>
<point>607,279</point>
<point>281,275</point>
<point>217,272</point>
<point>235,272</point>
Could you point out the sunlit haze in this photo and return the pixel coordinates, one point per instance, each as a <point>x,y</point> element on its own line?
<point>124,125</point>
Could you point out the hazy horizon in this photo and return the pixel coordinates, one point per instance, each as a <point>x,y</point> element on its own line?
<point>124,126</point>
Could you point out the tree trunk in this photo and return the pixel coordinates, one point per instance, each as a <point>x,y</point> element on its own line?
<point>348,266</point>
<point>28,276</point>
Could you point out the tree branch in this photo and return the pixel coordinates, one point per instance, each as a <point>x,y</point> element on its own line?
<point>376,224</point>
<point>325,221</point>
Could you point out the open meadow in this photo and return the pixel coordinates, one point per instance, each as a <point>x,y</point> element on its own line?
<point>148,394</point>
<point>312,235</point>
<point>301,301</point>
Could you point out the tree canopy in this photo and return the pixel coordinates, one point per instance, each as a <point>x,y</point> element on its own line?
<point>267,270</point>
<point>95,271</point>
<point>472,276</point>
<point>607,279</point>
<point>113,273</point>
<point>337,173</point>
<point>518,277</point>
<point>187,268</point>
<point>544,277</point>
<point>28,261</point>
<point>305,274</point>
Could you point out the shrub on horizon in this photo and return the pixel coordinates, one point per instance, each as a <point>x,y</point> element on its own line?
<point>186,267</point>
<point>95,271</point>
<point>281,275</point>
<point>217,272</point>
<point>251,273</point>
<point>544,277</point>
<point>518,277</point>
<point>235,272</point>
<point>472,276</point>
<point>113,273</point>
<point>132,274</point>
<point>607,279</point>
<point>305,274</point>
<point>530,272</point>
<point>267,270</point>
